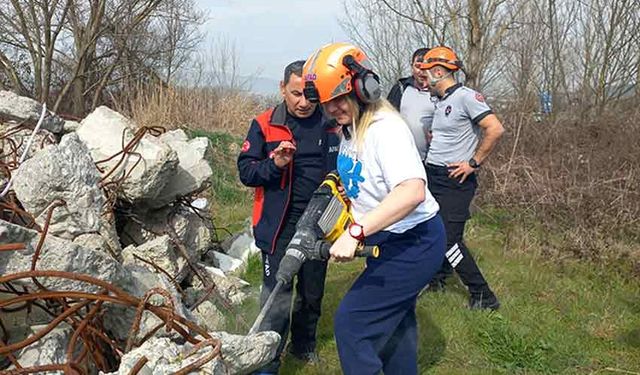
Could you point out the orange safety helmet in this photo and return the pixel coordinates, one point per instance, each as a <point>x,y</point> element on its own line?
<point>337,69</point>
<point>443,56</point>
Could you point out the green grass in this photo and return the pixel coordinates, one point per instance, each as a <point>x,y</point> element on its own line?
<point>559,315</point>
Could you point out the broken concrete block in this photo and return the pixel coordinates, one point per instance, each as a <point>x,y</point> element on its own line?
<point>241,354</point>
<point>21,108</point>
<point>9,137</point>
<point>209,316</point>
<point>231,288</point>
<point>59,255</point>
<point>190,228</point>
<point>159,251</point>
<point>193,170</point>
<point>148,170</point>
<point>92,241</point>
<point>119,319</point>
<point>17,323</point>
<point>66,172</point>
<point>108,233</point>
<point>244,354</point>
<point>242,247</point>
<point>227,263</point>
<point>70,126</point>
<point>50,349</point>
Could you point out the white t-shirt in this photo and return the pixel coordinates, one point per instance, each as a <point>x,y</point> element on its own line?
<point>388,156</point>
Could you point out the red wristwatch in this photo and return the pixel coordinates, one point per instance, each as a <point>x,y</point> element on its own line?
<point>356,231</point>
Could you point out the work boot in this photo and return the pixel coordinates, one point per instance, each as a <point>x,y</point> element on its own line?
<point>310,358</point>
<point>484,301</point>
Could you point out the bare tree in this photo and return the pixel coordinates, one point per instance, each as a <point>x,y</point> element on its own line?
<point>608,39</point>
<point>521,52</point>
<point>389,38</point>
<point>473,28</point>
<point>576,51</point>
<point>32,27</point>
<point>218,65</point>
<point>80,49</point>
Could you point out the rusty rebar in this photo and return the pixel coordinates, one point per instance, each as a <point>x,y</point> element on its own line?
<point>43,332</point>
<point>13,246</point>
<point>68,369</point>
<point>127,150</point>
<point>111,188</point>
<point>5,333</point>
<point>90,315</point>
<point>4,341</point>
<point>45,230</point>
<point>163,271</point>
<point>183,252</point>
<point>125,299</point>
<point>139,365</point>
<point>140,310</point>
<point>14,130</point>
<point>13,153</point>
<point>121,297</point>
<point>215,351</point>
<point>83,300</point>
<point>9,203</point>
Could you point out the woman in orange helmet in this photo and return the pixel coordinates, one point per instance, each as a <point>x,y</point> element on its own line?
<point>383,176</point>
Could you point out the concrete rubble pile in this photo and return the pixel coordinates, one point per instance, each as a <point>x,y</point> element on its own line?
<point>109,262</point>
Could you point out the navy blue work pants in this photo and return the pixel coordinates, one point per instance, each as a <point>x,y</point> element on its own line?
<point>375,325</point>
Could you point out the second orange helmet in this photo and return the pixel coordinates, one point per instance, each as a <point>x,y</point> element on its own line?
<point>443,56</point>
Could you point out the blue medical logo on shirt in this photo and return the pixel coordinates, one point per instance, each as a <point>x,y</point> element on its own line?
<point>350,171</point>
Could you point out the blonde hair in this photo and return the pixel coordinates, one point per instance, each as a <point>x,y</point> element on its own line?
<point>362,117</point>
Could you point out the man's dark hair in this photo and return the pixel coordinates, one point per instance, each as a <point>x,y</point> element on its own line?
<point>419,52</point>
<point>293,68</point>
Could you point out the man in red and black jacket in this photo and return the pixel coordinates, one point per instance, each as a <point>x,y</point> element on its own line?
<point>288,151</point>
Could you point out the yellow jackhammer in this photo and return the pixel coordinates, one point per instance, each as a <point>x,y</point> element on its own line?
<point>326,217</point>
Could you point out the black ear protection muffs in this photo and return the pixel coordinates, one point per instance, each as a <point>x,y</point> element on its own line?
<point>310,92</point>
<point>366,84</point>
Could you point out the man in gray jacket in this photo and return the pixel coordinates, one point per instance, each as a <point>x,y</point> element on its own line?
<point>411,97</point>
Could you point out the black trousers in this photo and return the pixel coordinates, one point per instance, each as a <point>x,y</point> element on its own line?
<point>304,315</point>
<point>455,199</point>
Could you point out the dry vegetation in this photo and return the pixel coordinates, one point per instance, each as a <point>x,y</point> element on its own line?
<point>206,109</point>
<point>574,182</point>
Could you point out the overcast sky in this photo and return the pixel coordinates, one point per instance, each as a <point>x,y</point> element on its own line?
<point>271,33</point>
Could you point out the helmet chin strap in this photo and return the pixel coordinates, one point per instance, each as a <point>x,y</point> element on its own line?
<point>433,81</point>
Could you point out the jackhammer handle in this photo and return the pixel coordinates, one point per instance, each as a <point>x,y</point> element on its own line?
<point>367,251</point>
<point>372,251</point>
